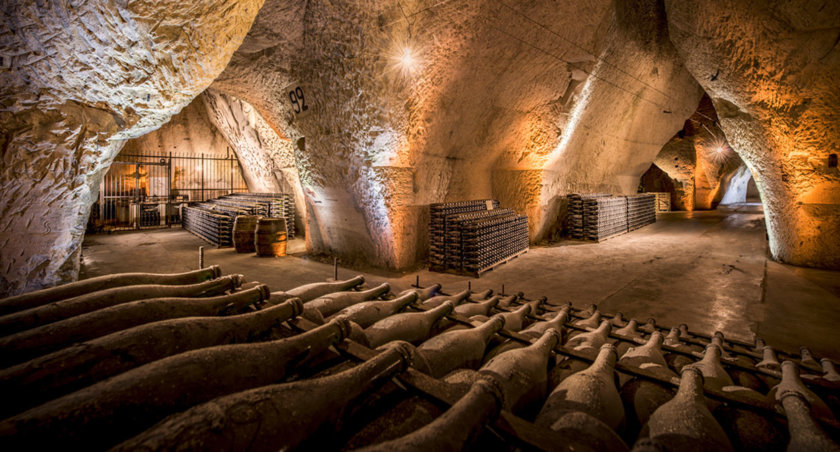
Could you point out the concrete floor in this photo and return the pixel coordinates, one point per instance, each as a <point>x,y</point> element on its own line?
<point>707,269</point>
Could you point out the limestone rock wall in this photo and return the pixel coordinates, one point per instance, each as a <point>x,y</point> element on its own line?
<point>77,79</point>
<point>523,102</point>
<point>771,69</point>
<point>190,132</point>
<point>267,159</point>
<point>699,160</point>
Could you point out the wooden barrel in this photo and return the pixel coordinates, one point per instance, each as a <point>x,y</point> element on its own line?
<point>244,229</point>
<point>270,237</point>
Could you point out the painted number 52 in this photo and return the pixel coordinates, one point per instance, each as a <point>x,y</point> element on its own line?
<point>298,101</point>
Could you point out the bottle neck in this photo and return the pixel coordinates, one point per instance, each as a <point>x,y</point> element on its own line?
<point>376,291</point>
<point>691,385</point>
<point>800,423</point>
<point>403,301</point>
<point>605,362</point>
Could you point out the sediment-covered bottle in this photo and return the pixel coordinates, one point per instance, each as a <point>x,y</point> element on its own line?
<point>477,308</point>
<point>452,350</point>
<point>590,322</point>
<point>409,326</point>
<point>805,434</point>
<point>714,376</point>
<point>64,309</point>
<point>331,303</point>
<point>515,320</point>
<point>684,423</point>
<point>77,288</point>
<point>456,427</point>
<point>591,341</point>
<point>47,377</point>
<point>107,412</point>
<point>534,331</point>
<point>591,391</point>
<point>54,336</point>
<point>424,293</point>
<point>312,291</point>
<point>260,419</point>
<point>367,313</point>
<point>456,299</point>
<point>523,373</point>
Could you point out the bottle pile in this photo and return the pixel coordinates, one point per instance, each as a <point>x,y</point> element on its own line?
<point>599,216</point>
<point>470,237</point>
<point>213,219</point>
<point>641,210</point>
<point>575,218</point>
<point>213,226</point>
<point>336,366</point>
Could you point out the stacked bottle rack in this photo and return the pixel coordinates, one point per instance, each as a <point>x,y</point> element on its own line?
<point>364,386</point>
<point>641,210</point>
<point>438,231</point>
<point>605,217</point>
<point>599,216</point>
<point>477,240</point>
<point>575,221</point>
<point>212,226</point>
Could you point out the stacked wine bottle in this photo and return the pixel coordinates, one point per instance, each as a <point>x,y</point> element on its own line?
<point>213,226</point>
<point>212,220</point>
<point>599,216</point>
<point>205,362</point>
<point>641,210</point>
<point>471,237</point>
<point>575,218</point>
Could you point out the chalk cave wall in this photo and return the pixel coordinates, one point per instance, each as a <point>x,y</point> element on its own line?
<point>699,161</point>
<point>775,68</point>
<point>498,106</point>
<point>77,80</point>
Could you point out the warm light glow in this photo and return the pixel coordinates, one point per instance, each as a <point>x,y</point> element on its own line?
<point>719,150</point>
<point>405,59</point>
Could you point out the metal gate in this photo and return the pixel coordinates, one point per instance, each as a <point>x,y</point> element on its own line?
<point>147,191</point>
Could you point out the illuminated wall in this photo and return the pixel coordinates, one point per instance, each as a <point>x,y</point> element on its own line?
<point>771,69</point>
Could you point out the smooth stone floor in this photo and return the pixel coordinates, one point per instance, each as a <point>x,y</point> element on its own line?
<point>707,269</point>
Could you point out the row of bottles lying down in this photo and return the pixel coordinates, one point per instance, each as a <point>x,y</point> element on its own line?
<point>207,362</point>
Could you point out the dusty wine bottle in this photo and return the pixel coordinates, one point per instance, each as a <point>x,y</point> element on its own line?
<point>523,373</point>
<point>714,376</point>
<point>409,326</point>
<point>69,369</point>
<point>684,423</point>
<point>75,289</point>
<point>329,304</point>
<point>480,296</point>
<point>515,320</point>
<point>456,427</point>
<point>424,293</point>
<point>64,309</point>
<point>312,291</point>
<point>534,331</point>
<point>805,434</point>
<point>452,350</point>
<point>48,338</point>
<point>270,424</point>
<point>591,391</point>
<point>456,299</point>
<point>101,415</point>
<point>590,322</point>
<point>477,308</point>
<point>590,342</point>
<point>368,313</point>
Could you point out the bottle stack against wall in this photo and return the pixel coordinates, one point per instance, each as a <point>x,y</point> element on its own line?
<point>438,228</point>
<point>599,216</point>
<point>604,217</point>
<point>641,210</point>
<point>470,237</point>
<point>213,220</point>
<point>575,220</point>
<point>260,371</point>
<point>214,227</point>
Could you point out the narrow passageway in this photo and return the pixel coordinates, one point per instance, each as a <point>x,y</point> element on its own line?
<point>707,269</point>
